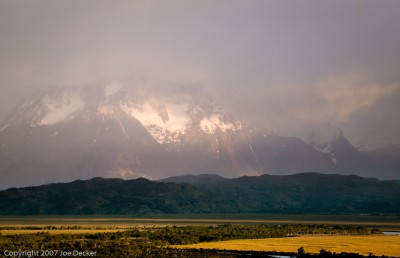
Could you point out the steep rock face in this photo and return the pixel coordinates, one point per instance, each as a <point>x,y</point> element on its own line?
<point>116,131</point>
<point>386,160</point>
<point>284,155</point>
<point>66,133</point>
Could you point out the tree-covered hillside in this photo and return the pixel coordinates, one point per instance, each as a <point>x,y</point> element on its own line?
<point>300,193</point>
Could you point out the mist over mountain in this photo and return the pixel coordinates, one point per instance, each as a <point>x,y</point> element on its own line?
<point>294,68</point>
<point>155,89</point>
<point>115,130</point>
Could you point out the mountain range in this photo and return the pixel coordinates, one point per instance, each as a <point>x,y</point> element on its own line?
<point>68,133</point>
<point>200,194</point>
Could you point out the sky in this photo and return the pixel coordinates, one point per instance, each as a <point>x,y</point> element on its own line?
<point>295,68</point>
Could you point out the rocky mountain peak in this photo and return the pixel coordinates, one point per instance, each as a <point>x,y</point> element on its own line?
<point>69,133</point>
<point>166,120</point>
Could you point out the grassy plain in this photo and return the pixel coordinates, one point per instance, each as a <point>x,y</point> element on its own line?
<point>377,245</point>
<point>113,222</point>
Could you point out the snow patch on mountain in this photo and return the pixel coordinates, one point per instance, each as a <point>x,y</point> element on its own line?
<point>164,121</point>
<point>59,110</point>
<point>210,124</point>
<point>322,147</point>
<point>105,111</point>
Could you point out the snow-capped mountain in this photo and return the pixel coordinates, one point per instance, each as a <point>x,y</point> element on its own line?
<point>116,131</point>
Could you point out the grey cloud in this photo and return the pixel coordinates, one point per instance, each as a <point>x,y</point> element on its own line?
<point>262,59</point>
<point>378,125</point>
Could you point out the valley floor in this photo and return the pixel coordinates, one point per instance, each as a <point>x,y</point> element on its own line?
<point>384,222</point>
<point>202,235</point>
<point>365,245</point>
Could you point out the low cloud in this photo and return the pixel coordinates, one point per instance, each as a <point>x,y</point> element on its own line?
<point>286,66</point>
<point>344,96</point>
<point>338,98</point>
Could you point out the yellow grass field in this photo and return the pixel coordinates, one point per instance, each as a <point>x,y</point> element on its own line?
<point>377,245</point>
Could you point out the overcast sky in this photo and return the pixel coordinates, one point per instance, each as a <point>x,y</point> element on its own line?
<point>293,67</point>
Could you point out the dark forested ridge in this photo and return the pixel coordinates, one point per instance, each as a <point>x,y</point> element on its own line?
<point>304,192</point>
<point>299,193</point>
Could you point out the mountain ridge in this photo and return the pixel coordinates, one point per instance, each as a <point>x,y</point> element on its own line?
<point>119,131</point>
<point>298,193</point>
